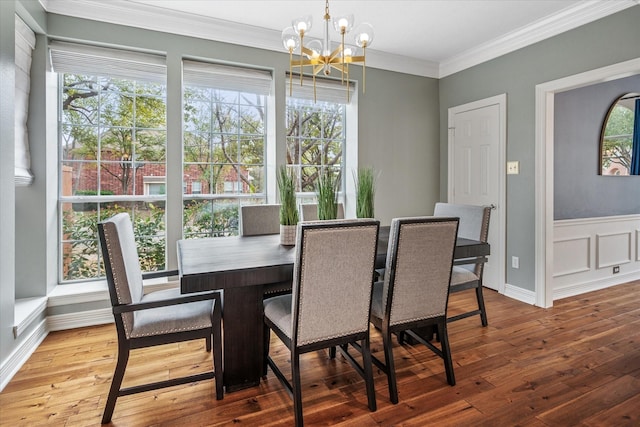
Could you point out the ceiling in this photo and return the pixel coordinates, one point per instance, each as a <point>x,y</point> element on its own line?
<point>432,38</point>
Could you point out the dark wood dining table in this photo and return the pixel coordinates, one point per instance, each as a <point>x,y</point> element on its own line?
<point>241,267</point>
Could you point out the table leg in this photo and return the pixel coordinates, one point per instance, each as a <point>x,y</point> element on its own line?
<point>243,337</point>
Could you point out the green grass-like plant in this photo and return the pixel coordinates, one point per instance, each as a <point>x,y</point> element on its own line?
<point>327,195</point>
<point>287,189</point>
<point>365,192</point>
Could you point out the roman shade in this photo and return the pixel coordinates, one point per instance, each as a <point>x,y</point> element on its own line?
<point>25,42</point>
<point>219,76</point>
<point>93,60</point>
<point>327,90</point>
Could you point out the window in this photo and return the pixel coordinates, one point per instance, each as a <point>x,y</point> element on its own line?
<point>154,185</point>
<point>225,111</point>
<point>316,133</point>
<point>112,137</point>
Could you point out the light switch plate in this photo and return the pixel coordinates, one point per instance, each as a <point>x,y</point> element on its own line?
<point>513,168</point>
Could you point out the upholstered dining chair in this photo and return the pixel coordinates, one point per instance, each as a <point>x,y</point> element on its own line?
<point>259,219</point>
<point>158,318</point>
<point>327,307</point>
<point>474,224</point>
<point>309,211</point>
<point>415,290</point>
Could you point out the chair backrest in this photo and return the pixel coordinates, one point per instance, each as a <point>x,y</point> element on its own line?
<point>333,276</point>
<point>259,219</point>
<point>474,220</point>
<point>419,261</point>
<point>309,211</point>
<point>474,224</point>
<point>122,267</point>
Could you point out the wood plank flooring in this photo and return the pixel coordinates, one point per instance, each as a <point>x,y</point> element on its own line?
<point>577,364</point>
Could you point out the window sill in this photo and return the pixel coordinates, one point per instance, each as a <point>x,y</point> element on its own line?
<point>26,311</point>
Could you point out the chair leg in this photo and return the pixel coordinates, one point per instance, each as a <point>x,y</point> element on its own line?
<point>368,374</point>
<point>217,355</point>
<point>208,343</point>
<point>391,369</point>
<point>116,382</point>
<point>483,311</point>
<point>446,351</point>
<point>332,352</point>
<point>401,337</point>
<point>296,387</point>
<point>267,340</point>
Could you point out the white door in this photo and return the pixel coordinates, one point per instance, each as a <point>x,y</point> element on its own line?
<point>477,133</point>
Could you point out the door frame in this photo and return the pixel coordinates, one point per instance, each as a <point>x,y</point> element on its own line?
<point>544,189</point>
<point>501,101</point>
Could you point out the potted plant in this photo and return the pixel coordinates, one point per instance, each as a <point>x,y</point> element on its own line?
<point>288,206</point>
<point>327,195</point>
<point>365,192</point>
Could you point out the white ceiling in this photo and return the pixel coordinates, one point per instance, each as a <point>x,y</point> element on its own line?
<point>433,38</point>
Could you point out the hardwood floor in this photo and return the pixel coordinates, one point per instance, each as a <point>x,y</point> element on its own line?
<point>577,364</point>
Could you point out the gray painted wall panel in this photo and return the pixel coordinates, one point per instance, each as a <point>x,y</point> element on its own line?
<point>580,192</point>
<point>7,172</point>
<point>607,41</point>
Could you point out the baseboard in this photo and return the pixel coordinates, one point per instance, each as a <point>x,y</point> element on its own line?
<point>517,293</point>
<point>22,353</point>
<point>80,319</point>
<point>595,285</point>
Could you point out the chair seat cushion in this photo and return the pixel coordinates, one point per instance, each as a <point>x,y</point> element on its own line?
<point>174,318</point>
<point>460,275</point>
<point>377,310</point>
<point>278,311</point>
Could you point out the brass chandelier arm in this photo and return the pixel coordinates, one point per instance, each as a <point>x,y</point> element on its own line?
<point>321,60</point>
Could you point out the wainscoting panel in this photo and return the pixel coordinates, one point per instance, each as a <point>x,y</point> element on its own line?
<point>586,252</point>
<point>613,249</point>
<point>572,256</point>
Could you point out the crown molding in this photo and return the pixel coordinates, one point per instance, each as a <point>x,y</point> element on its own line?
<point>153,18</point>
<point>567,19</point>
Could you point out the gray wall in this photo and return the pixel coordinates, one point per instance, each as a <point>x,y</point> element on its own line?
<point>607,41</point>
<point>7,192</point>
<point>580,192</point>
<point>10,234</point>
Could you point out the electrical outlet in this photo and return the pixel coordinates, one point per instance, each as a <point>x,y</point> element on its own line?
<point>616,269</point>
<point>515,262</point>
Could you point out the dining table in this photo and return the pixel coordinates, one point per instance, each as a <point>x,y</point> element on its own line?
<point>242,266</point>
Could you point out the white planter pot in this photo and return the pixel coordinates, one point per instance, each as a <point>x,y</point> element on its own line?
<point>288,234</point>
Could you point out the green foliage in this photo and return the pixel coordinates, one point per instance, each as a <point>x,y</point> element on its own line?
<point>81,249</point>
<point>315,137</point>
<point>365,192</point>
<point>617,142</point>
<point>287,189</point>
<point>207,218</point>
<point>327,195</point>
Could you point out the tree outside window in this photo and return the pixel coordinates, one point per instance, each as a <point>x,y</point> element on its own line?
<point>315,140</point>
<point>224,145</point>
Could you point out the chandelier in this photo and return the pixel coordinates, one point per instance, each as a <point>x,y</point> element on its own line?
<point>318,55</point>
